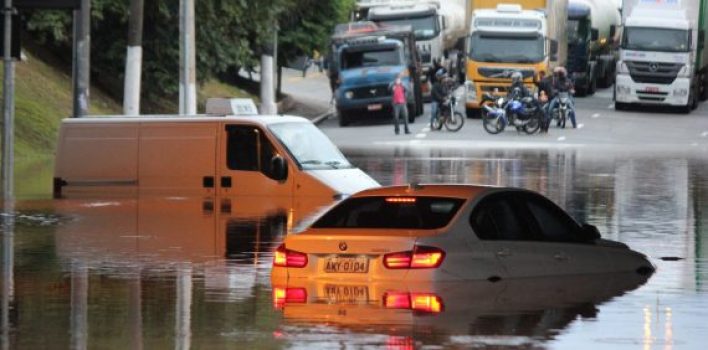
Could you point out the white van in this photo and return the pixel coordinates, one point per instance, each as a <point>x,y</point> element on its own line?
<point>202,155</point>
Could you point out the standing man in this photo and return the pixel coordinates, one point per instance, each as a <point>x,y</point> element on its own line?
<point>545,91</point>
<point>398,95</point>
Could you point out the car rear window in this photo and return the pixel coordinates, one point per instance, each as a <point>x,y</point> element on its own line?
<point>391,212</point>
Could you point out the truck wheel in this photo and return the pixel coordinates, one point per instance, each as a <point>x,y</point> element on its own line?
<point>343,118</point>
<point>592,87</point>
<point>704,87</point>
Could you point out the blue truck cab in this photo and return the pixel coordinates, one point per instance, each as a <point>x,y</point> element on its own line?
<point>365,63</point>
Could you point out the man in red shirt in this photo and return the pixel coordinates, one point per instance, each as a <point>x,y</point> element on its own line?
<point>399,93</point>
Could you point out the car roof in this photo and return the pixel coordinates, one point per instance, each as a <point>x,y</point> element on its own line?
<point>256,119</point>
<point>430,190</point>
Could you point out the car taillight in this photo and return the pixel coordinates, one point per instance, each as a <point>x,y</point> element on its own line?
<point>423,302</point>
<point>284,257</point>
<point>282,296</point>
<point>420,257</point>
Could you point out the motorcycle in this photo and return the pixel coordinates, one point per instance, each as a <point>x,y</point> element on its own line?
<point>448,115</point>
<point>561,112</point>
<point>521,113</point>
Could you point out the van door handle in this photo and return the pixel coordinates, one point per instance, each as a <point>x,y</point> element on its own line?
<point>226,181</point>
<point>208,182</point>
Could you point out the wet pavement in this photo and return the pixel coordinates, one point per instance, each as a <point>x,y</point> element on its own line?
<point>195,272</point>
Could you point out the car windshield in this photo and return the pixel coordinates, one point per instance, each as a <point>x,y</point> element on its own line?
<point>389,56</point>
<point>309,146</point>
<point>506,49</point>
<point>392,213</point>
<point>656,39</point>
<point>424,28</point>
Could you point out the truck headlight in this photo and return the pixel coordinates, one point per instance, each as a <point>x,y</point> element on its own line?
<point>470,92</point>
<point>349,95</point>
<point>622,68</point>
<point>683,72</point>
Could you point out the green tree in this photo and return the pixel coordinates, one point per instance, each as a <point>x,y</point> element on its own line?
<point>230,34</point>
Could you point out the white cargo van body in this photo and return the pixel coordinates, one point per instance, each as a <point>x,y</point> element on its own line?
<point>193,156</point>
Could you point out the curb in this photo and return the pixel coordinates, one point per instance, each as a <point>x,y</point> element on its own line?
<point>322,117</point>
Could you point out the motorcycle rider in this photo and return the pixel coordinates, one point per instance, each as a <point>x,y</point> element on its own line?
<point>545,88</point>
<point>437,94</point>
<point>517,89</point>
<point>561,83</point>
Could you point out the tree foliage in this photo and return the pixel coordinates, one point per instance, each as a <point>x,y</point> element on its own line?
<point>229,33</point>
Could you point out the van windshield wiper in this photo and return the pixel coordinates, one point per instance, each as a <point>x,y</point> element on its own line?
<point>312,161</point>
<point>334,164</point>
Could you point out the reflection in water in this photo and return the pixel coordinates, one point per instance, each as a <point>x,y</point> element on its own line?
<point>179,273</point>
<point>465,313</point>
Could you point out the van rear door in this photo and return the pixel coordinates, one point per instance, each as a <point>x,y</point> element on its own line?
<point>244,163</point>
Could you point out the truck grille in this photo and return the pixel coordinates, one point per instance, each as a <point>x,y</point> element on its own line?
<point>371,92</point>
<point>653,72</point>
<point>503,73</point>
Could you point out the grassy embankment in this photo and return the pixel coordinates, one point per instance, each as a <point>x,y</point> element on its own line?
<point>43,97</point>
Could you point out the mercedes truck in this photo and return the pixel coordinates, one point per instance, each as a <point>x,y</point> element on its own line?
<point>662,54</point>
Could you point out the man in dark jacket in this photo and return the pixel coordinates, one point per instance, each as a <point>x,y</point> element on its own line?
<point>437,95</point>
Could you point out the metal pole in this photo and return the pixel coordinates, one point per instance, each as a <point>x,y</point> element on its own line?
<point>187,72</point>
<point>133,59</point>
<point>8,279</point>
<point>8,142</point>
<point>82,57</point>
<point>183,308</point>
<point>79,305</point>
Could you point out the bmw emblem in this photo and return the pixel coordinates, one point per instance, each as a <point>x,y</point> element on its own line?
<point>342,246</point>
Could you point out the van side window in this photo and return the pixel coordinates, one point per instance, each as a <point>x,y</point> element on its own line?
<point>248,149</point>
<point>497,218</point>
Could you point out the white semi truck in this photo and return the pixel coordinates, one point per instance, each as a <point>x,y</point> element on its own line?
<point>663,54</point>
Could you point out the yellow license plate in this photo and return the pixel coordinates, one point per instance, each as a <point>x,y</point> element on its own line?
<point>346,294</point>
<point>347,264</point>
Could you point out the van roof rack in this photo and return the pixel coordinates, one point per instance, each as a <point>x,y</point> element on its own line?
<point>231,106</point>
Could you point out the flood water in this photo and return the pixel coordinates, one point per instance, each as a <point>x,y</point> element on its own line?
<point>184,273</point>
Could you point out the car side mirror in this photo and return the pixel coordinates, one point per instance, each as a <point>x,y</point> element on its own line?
<point>443,22</point>
<point>613,31</point>
<point>594,34</point>
<point>279,168</point>
<point>589,233</point>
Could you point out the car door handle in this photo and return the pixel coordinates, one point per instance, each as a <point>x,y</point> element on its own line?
<point>503,253</point>
<point>226,181</point>
<point>560,257</point>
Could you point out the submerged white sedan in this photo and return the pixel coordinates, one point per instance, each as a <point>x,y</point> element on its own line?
<point>448,233</point>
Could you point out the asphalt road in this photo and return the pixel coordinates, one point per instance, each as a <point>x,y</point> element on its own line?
<point>599,125</point>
